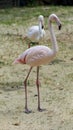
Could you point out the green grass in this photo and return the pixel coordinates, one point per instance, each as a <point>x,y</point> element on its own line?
<point>21,15</point>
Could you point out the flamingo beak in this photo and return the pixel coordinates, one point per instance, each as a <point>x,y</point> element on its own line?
<point>42,26</point>
<point>60,27</point>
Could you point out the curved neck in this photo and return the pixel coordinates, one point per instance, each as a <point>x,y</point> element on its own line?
<point>53,39</point>
<point>40,27</point>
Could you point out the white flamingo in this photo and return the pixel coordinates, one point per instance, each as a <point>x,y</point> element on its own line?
<point>36,33</point>
<point>38,55</point>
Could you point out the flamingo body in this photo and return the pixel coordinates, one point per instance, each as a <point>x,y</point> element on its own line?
<point>33,34</point>
<point>36,56</point>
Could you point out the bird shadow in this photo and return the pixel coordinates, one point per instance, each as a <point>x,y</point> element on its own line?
<point>57,61</point>
<point>11,86</point>
<point>2,63</point>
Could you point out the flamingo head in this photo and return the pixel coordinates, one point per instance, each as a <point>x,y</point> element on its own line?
<point>41,20</point>
<point>54,17</point>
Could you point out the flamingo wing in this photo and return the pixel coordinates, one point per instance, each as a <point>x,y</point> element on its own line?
<point>38,55</point>
<point>33,33</point>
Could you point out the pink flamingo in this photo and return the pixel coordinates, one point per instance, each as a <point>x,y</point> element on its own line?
<point>37,32</point>
<point>38,55</point>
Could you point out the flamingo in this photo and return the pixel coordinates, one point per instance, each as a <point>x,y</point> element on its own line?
<point>38,55</point>
<point>36,33</point>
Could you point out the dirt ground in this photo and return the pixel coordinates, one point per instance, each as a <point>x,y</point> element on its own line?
<point>56,83</point>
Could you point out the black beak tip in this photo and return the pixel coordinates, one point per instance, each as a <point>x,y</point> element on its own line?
<point>60,27</point>
<point>42,26</point>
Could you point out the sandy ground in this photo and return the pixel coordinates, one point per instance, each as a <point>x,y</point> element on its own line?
<point>56,97</point>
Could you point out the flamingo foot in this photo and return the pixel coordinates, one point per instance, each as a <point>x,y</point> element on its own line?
<point>27,111</point>
<point>41,110</point>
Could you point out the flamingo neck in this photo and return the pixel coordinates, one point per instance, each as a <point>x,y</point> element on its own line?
<point>40,28</point>
<point>53,39</point>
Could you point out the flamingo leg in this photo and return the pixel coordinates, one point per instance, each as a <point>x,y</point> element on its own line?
<point>38,83</point>
<point>25,85</point>
<point>28,45</point>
